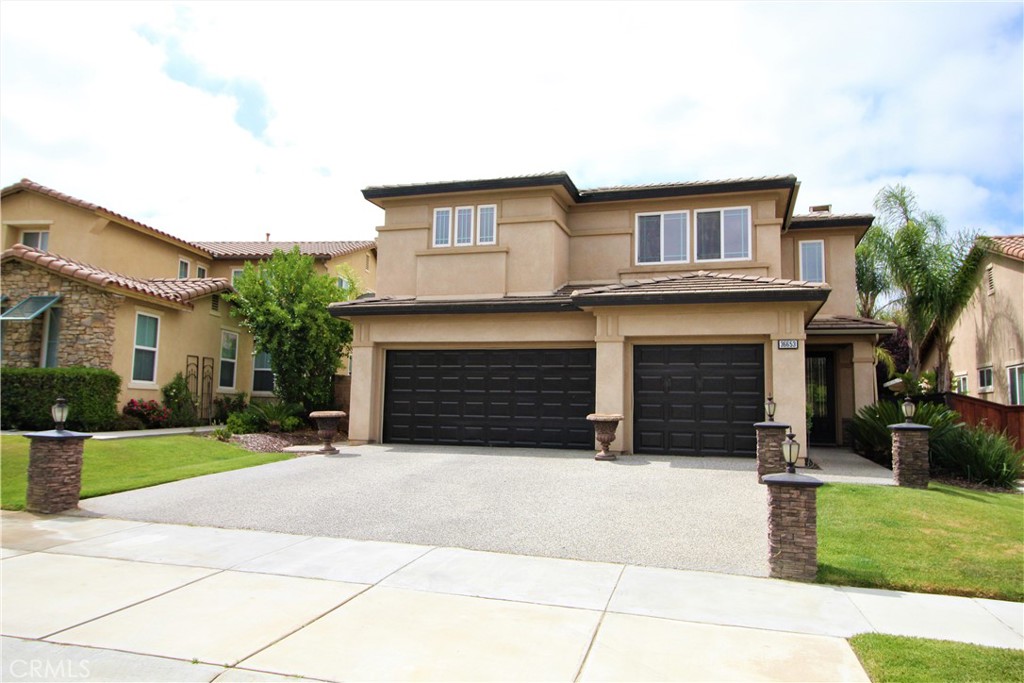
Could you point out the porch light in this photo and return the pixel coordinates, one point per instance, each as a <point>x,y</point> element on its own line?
<point>59,411</point>
<point>769,408</point>
<point>909,409</point>
<point>790,453</point>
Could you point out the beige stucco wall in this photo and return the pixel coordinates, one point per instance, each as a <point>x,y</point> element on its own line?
<point>840,265</point>
<point>990,332</point>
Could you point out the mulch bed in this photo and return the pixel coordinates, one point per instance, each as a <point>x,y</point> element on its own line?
<point>965,484</point>
<point>267,442</point>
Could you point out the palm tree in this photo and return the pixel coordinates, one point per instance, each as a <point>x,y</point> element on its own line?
<point>873,279</point>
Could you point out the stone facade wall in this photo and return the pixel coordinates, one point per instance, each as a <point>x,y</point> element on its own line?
<point>86,327</point>
<point>792,531</point>
<point>54,475</point>
<point>910,458</point>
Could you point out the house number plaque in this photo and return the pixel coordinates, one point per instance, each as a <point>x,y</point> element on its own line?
<point>789,344</point>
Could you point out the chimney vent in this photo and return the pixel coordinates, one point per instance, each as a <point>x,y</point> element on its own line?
<point>821,208</point>
<point>268,236</point>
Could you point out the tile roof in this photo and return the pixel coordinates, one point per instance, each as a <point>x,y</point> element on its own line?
<point>819,219</point>
<point>1010,245</point>
<point>692,183</point>
<point>700,282</point>
<point>321,250</point>
<point>850,323</point>
<point>27,185</point>
<point>180,292</point>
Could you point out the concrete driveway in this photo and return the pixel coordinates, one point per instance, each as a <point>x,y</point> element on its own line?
<point>658,511</point>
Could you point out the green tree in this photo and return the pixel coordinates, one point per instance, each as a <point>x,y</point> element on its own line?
<point>873,281</point>
<point>932,274</point>
<point>283,302</point>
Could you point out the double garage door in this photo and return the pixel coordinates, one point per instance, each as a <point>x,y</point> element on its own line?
<point>688,400</point>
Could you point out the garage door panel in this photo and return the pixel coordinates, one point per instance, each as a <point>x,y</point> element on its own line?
<point>511,397</point>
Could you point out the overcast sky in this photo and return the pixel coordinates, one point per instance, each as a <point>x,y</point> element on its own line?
<point>226,121</point>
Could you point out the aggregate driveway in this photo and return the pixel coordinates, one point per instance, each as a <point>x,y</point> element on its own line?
<point>684,513</point>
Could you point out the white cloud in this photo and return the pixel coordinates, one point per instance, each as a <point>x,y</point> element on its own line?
<point>847,96</point>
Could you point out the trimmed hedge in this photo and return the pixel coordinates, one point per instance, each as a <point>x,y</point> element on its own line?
<point>27,394</point>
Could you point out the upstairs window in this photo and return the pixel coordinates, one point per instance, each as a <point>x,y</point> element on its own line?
<point>235,274</point>
<point>487,224</point>
<point>147,334</point>
<point>200,271</point>
<point>442,227</point>
<point>662,237</point>
<point>984,379</point>
<point>812,261</point>
<point>455,227</point>
<point>723,234</point>
<point>37,239</point>
<point>463,226</point>
<point>183,268</point>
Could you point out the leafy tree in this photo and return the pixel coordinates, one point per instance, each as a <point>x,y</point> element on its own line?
<point>283,302</point>
<point>933,274</point>
<point>873,279</point>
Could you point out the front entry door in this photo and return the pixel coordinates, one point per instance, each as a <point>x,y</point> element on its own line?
<point>821,398</point>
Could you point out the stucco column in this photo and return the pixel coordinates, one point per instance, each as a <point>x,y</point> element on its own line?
<point>610,394</point>
<point>789,387</point>
<point>361,428</point>
<point>864,388</point>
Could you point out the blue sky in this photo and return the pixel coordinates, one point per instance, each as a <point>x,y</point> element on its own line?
<point>230,120</point>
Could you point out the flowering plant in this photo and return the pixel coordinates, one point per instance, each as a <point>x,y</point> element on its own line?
<point>150,412</point>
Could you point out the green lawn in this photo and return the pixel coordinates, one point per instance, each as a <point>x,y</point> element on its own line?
<point>941,540</point>
<point>900,659</point>
<point>124,464</point>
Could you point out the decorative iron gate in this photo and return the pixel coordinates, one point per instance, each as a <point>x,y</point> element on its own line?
<point>200,385</point>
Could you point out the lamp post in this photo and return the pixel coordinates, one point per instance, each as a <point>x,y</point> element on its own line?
<point>909,409</point>
<point>59,412</point>
<point>790,452</point>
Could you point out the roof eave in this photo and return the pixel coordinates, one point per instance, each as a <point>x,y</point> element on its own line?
<point>450,187</point>
<point>752,185</point>
<point>669,298</point>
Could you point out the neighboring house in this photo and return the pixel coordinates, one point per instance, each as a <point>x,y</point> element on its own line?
<point>506,310</point>
<point>83,285</point>
<point>987,355</point>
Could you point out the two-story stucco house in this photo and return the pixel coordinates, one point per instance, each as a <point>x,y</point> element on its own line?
<point>986,358</point>
<point>508,309</point>
<point>86,286</point>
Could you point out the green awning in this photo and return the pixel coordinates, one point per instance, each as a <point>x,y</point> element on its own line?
<point>30,308</point>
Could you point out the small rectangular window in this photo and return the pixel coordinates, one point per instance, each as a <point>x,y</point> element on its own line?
<point>442,227</point>
<point>51,338</point>
<point>984,379</point>
<point>662,237</point>
<point>228,359</point>
<point>1015,375</point>
<point>463,225</point>
<point>183,268</point>
<point>235,274</point>
<point>723,234</point>
<point>812,261</point>
<point>960,384</point>
<point>262,375</point>
<point>215,303</point>
<point>37,239</point>
<point>487,224</point>
<point>990,280</point>
<point>147,334</point>
<point>200,271</point>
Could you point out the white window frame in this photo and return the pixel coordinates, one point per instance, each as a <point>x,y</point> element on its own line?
<point>235,274</point>
<point>261,392</point>
<point>451,225</point>
<point>465,210</point>
<point>1015,377</point>
<point>962,384</point>
<point>47,319</point>
<point>721,237</point>
<point>984,388</point>
<point>43,236</point>
<point>222,359</point>
<point>661,232</point>
<point>800,252</point>
<point>154,349</point>
<point>188,268</point>
<point>479,222</point>
<point>205,272</point>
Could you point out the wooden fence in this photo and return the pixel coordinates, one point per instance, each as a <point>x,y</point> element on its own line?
<point>1001,418</point>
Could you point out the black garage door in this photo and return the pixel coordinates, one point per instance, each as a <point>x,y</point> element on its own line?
<point>493,397</point>
<point>697,399</point>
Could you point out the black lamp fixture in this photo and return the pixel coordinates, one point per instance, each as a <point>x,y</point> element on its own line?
<point>59,411</point>
<point>790,453</point>
<point>909,409</point>
<point>769,408</point>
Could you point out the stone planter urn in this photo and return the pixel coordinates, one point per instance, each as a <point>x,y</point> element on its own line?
<point>604,432</point>
<point>327,427</point>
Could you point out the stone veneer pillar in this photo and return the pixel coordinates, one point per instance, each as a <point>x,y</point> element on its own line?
<point>770,436</point>
<point>792,526</point>
<point>54,470</point>
<point>910,454</point>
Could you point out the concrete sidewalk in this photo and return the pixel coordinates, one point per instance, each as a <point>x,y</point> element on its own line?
<point>108,599</point>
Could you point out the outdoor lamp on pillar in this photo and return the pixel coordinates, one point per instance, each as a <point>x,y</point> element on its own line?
<point>769,408</point>
<point>59,411</point>
<point>909,409</point>
<point>790,452</point>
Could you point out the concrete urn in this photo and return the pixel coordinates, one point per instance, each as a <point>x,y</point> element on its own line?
<point>605,425</point>
<point>327,422</point>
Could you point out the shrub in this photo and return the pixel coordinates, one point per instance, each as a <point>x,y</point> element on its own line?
<point>28,394</point>
<point>222,434</point>
<point>980,454</point>
<point>128,423</point>
<point>180,401</point>
<point>150,412</point>
<point>290,424</point>
<point>279,414</point>
<point>873,439</point>
<point>225,405</point>
<point>245,422</point>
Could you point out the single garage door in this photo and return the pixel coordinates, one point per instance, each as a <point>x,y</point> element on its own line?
<point>536,398</point>
<point>697,399</point>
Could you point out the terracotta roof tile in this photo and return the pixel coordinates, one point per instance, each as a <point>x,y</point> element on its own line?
<point>687,184</point>
<point>27,185</point>
<point>245,250</point>
<point>850,323</point>
<point>701,281</point>
<point>1010,245</point>
<point>180,292</point>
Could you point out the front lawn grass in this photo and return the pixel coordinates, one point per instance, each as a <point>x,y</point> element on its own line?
<point>941,540</point>
<point>125,464</point>
<point>901,659</point>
